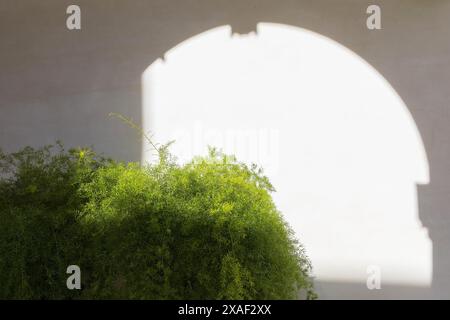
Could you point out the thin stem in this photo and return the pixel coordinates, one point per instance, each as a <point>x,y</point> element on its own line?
<point>136,127</point>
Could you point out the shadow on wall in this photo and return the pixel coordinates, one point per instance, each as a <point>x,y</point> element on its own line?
<point>349,291</point>
<point>97,70</point>
<point>335,139</point>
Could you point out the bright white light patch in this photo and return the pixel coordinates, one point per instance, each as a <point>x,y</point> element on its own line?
<point>335,139</point>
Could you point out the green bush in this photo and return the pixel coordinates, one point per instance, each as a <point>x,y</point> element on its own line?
<point>40,233</point>
<point>204,230</point>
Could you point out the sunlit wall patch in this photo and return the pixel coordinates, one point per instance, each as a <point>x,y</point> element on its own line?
<point>336,140</point>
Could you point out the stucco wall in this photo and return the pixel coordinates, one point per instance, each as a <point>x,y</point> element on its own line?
<point>61,84</point>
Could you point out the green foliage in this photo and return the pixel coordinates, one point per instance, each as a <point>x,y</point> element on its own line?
<point>39,232</point>
<point>204,230</point>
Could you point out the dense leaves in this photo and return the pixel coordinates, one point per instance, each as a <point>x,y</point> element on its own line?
<point>204,230</point>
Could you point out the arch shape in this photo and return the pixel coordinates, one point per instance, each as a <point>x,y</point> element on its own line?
<point>336,140</point>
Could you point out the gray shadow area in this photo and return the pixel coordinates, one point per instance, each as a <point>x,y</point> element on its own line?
<point>61,84</point>
<point>359,291</point>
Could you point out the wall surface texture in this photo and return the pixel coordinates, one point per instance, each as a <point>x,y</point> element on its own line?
<point>61,84</point>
